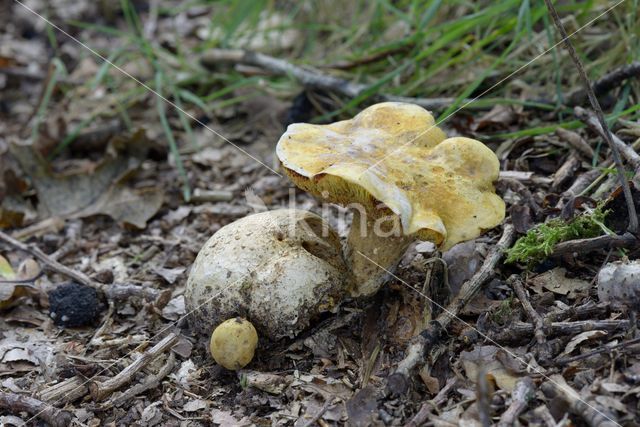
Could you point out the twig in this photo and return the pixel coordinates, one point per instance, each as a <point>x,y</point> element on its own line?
<point>25,73</point>
<point>519,330</point>
<point>607,82</point>
<point>543,413</point>
<point>484,395</point>
<point>522,393</point>
<point>588,310</point>
<point>607,241</point>
<point>592,413</point>
<point>430,405</point>
<point>581,184</point>
<point>346,65</point>
<point>50,414</point>
<point>398,383</point>
<point>116,292</point>
<point>565,171</point>
<point>150,382</point>
<point>51,263</point>
<point>100,390</point>
<point>310,77</point>
<point>624,184</point>
<point>320,413</point>
<point>66,391</point>
<point>603,349</point>
<point>590,119</point>
<point>517,286</point>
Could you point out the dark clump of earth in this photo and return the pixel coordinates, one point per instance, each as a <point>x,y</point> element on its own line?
<point>73,305</point>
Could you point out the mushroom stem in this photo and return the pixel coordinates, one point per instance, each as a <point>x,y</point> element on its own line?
<point>374,247</point>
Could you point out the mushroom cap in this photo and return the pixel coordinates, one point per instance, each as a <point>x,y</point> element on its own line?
<point>279,269</point>
<point>233,343</point>
<point>391,156</point>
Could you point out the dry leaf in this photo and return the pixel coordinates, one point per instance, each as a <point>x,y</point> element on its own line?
<point>500,117</point>
<point>270,383</point>
<point>225,418</point>
<point>486,357</point>
<point>580,338</point>
<point>99,189</point>
<point>555,280</point>
<point>195,405</point>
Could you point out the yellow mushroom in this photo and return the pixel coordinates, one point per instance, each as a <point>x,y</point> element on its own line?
<point>233,343</point>
<point>403,179</point>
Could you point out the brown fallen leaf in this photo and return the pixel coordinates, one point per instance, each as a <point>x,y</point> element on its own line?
<point>499,117</point>
<point>100,188</point>
<point>556,281</point>
<point>580,338</point>
<point>486,358</point>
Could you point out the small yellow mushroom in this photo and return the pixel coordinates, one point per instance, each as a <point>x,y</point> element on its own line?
<point>233,343</point>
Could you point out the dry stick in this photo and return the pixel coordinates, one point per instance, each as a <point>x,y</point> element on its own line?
<point>111,291</point>
<point>607,82</point>
<point>320,413</point>
<point>592,413</point>
<point>520,330</point>
<point>64,392</point>
<point>100,390</point>
<point>614,241</point>
<point>19,403</point>
<point>588,310</point>
<point>150,382</point>
<point>565,171</point>
<point>431,405</point>
<point>590,119</point>
<point>543,413</point>
<point>522,393</point>
<point>603,349</point>
<point>517,286</point>
<point>633,218</point>
<point>398,382</point>
<point>309,77</point>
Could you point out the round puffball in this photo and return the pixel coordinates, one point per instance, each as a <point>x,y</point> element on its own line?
<point>233,343</point>
<point>280,268</point>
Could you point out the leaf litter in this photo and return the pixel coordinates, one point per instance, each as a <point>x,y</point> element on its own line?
<point>117,179</point>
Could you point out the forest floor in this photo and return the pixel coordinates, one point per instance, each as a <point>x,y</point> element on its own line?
<point>130,132</point>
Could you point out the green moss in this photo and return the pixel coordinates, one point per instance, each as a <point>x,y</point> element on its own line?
<point>539,242</point>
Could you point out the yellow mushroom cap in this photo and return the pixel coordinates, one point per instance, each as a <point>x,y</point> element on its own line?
<point>393,154</point>
<point>233,343</point>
